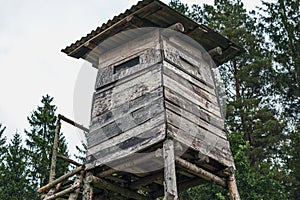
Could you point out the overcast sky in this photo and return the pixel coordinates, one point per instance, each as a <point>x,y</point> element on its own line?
<point>32,33</point>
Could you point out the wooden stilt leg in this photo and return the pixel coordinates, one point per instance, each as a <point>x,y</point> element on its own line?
<point>87,188</point>
<point>170,186</point>
<point>232,187</point>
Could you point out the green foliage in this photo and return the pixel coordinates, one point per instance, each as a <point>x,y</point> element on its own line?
<point>282,24</point>
<point>254,124</point>
<point>40,142</point>
<point>14,183</point>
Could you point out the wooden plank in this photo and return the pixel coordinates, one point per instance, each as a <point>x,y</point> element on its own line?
<point>185,104</point>
<point>194,130</point>
<point>193,80</point>
<point>219,152</point>
<point>102,133</point>
<point>106,100</point>
<point>130,48</point>
<point>103,184</point>
<point>193,97</point>
<point>116,113</point>
<point>211,97</point>
<point>196,120</point>
<point>133,145</point>
<point>60,179</point>
<point>170,185</point>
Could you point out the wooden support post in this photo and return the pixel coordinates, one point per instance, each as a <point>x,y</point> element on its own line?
<point>60,179</point>
<point>78,180</point>
<point>232,187</point>
<point>87,187</point>
<point>103,184</point>
<point>170,185</point>
<point>54,150</point>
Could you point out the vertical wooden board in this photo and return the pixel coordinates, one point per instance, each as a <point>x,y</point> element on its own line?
<point>125,91</point>
<point>103,132</point>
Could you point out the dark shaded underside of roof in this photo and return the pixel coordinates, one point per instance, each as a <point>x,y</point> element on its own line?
<point>153,13</point>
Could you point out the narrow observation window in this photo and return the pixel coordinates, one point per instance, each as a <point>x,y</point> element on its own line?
<point>187,65</point>
<point>126,65</point>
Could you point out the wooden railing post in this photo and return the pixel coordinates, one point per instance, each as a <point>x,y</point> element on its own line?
<point>54,150</point>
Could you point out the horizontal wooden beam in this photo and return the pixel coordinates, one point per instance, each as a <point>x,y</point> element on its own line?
<point>68,160</point>
<point>64,192</point>
<point>200,172</point>
<point>73,123</point>
<point>103,184</point>
<point>127,164</point>
<point>60,179</point>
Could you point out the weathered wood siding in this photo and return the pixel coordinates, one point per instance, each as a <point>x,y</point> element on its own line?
<point>192,109</point>
<point>128,106</point>
<point>151,87</point>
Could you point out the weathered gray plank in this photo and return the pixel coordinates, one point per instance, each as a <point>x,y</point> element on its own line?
<point>135,104</point>
<point>170,185</point>
<point>189,106</point>
<point>217,148</point>
<point>188,77</point>
<point>125,91</point>
<point>196,120</point>
<point>100,133</point>
<point>133,145</point>
<point>191,95</point>
<point>194,87</point>
<point>129,49</point>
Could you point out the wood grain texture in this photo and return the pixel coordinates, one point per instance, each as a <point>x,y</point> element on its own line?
<point>170,185</point>
<point>125,91</point>
<point>133,145</point>
<point>199,139</point>
<point>176,54</point>
<point>126,122</point>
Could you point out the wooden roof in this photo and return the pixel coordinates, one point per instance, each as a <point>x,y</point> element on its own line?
<point>153,13</point>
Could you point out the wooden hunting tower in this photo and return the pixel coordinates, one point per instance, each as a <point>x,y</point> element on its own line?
<point>156,123</point>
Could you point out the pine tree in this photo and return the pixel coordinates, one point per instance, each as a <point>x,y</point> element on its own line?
<point>2,154</point>
<point>249,80</point>
<point>40,141</point>
<point>17,186</point>
<point>282,25</point>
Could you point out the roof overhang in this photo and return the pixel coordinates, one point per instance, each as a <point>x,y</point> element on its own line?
<point>153,13</point>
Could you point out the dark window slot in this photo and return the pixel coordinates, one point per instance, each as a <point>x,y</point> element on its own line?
<point>187,65</point>
<point>126,65</point>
